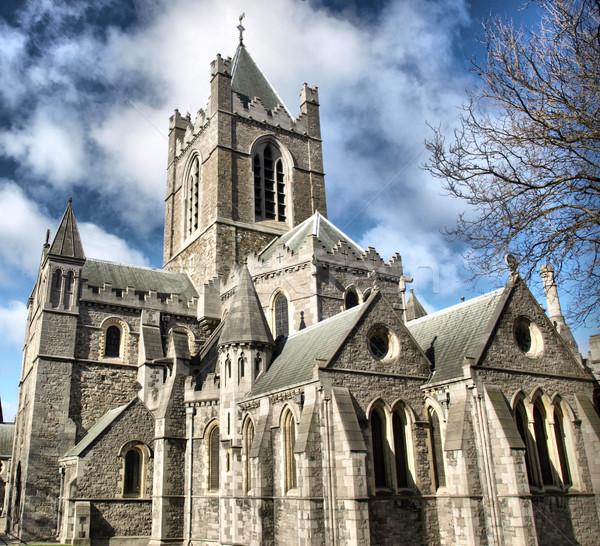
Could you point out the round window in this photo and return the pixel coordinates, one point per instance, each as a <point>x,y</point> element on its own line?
<point>382,343</point>
<point>528,337</point>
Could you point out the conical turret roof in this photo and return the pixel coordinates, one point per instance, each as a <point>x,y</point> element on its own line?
<point>414,309</point>
<point>67,242</point>
<point>247,79</point>
<point>246,322</point>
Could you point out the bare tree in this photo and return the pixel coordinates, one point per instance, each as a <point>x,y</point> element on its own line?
<point>526,154</point>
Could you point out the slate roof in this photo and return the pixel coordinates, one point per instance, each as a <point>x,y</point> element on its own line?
<point>317,225</point>
<point>248,80</point>
<point>67,242</point>
<point>7,432</point>
<point>98,272</point>
<point>298,353</point>
<point>99,427</point>
<point>246,321</point>
<point>450,335</point>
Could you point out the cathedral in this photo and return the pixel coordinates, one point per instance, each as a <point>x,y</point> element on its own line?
<point>274,383</point>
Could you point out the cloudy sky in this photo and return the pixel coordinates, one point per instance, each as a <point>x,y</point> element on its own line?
<point>88,87</point>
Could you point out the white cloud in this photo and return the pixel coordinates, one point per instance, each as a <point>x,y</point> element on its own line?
<point>13,320</point>
<point>23,226</point>
<point>99,244</point>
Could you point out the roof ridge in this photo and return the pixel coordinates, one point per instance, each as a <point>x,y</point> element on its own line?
<point>146,267</point>
<point>462,304</point>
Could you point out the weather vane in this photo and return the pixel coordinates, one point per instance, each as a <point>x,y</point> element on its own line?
<point>241,29</point>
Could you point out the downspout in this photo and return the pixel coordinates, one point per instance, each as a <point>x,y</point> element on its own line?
<point>191,411</point>
<point>330,481</point>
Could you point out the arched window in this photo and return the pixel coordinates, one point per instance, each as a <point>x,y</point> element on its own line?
<point>112,346</point>
<point>193,196</point>
<point>281,316</point>
<point>399,426</point>
<point>541,442</point>
<point>269,184</point>
<point>288,430</point>
<point>378,442</point>
<point>257,364</point>
<point>437,454</point>
<point>56,288</point>
<point>242,365</point>
<point>68,290</point>
<point>351,299</point>
<point>523,428</point>
<point>133,473</point>
<point>247,446</point>
<point>213,458</point>
<point>561,446</point>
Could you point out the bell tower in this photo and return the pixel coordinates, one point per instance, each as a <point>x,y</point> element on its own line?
<point>241,173</point>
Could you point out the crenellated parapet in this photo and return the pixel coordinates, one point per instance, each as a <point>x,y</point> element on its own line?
<point>133,298</point>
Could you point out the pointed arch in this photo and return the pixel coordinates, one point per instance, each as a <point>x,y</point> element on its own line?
<point>379,443</point>
<point>192,195</point>
<point>288,436</point>
<point>213,446</point>
<point>272,167</point>
<point>280,313</point>
<point>247,439</point>
<point>436,448</point>
<point>352,297</point>
<point>56,287</point>
<point>522,422</point>
<point>402,442</point>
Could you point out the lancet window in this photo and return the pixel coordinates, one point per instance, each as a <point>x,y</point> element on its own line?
<point>269,184</point>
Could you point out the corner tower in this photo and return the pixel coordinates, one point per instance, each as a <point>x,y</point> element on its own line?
<point>243,172</point>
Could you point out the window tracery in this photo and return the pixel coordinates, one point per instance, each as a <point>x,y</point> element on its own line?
<point>269,183</point>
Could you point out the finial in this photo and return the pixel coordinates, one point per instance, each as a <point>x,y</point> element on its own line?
<point>512,263</point>
<point>47,237</point>
<point>70,200</point>
<point>241,28</point>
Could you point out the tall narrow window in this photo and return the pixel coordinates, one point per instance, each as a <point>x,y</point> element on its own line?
<point>541,442</point>
<point>269,184</point>
<point>281,316</point>
<point>248,439</point>
<point>133,473</point>
<point>435,440</point>
<point>521,419</point>
<point>400,452</point>
<point>113,342</point>
<point>561,445</point>
<point>56,288</point>
<point>378,445</point>
<point>213,458</point>
<point>289,442</point>
<point>193,196</point>
<point>68,290</point>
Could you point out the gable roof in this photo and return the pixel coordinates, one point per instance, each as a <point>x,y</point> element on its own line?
<point>450,335</point>
<point>246,321</point>
<point>98,272</point>
<point>248,80</point>
<point>298,353</point>
<point>99,427</point>
<point>316,225</point>
<point>67,242</point>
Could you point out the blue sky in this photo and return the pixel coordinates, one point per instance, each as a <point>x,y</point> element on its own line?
<point>87,89</point>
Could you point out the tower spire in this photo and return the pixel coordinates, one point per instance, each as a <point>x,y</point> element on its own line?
<point>241,28</point>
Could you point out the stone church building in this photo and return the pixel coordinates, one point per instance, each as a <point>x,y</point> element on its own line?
<point>275,384</point>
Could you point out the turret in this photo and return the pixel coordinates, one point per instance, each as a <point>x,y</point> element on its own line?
<point>554,310</point>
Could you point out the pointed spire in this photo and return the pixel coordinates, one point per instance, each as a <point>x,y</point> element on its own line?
<point>414,309</point>
<point>248,80</point>
<point>67,242</point>
<point>246,322</point>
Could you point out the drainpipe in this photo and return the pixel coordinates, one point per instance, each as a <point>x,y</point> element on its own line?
<point>191,411</point>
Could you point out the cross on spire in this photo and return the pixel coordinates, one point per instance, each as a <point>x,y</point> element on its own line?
<point>241,28</point>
